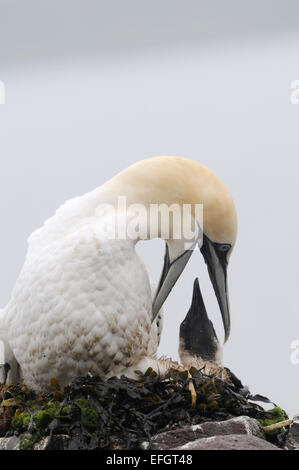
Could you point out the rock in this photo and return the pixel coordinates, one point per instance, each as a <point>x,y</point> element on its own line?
<point>9,443</point>
<point>145,445</point>
<point>229,442</point>
<point>292,440</point>
<point>56,442</point>
<point>181,436</point>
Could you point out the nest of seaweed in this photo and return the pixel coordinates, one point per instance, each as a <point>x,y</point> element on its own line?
<point>122,413</point>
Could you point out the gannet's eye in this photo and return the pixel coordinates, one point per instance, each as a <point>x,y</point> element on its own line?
<point>223,252</point>
<point>224,247</point>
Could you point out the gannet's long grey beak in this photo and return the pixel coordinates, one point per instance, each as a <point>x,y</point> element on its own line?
<point>173,268</point>
<point>170,274</point>
<point>215,256</point>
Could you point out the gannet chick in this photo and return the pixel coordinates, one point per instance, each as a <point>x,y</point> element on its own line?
<point>199,346</point>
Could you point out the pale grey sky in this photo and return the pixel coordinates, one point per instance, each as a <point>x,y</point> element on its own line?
<point>92,87</point>
<point>32,29</point>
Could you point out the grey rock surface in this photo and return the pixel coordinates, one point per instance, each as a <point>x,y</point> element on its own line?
<point>186,434</point>
<point>292,441</point>
<point>241,433</point>
<point>9,443</point>
<point>57,442</point>
<point>229,442</point>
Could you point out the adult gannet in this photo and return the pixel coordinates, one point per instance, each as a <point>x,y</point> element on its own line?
<point>84,300</point>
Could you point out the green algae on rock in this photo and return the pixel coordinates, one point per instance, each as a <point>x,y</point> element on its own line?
<point>89,415</point>
<point>273,416</point>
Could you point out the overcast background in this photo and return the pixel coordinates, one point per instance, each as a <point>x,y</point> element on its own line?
<point>92,87</point>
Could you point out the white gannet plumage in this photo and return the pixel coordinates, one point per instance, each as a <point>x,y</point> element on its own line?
<point>74,307</point>
<point>83,301</point>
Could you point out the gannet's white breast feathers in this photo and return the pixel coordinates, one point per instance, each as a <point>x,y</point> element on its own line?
<point>71,216</point>
<point>3,328</point>
<point>79,302</point>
